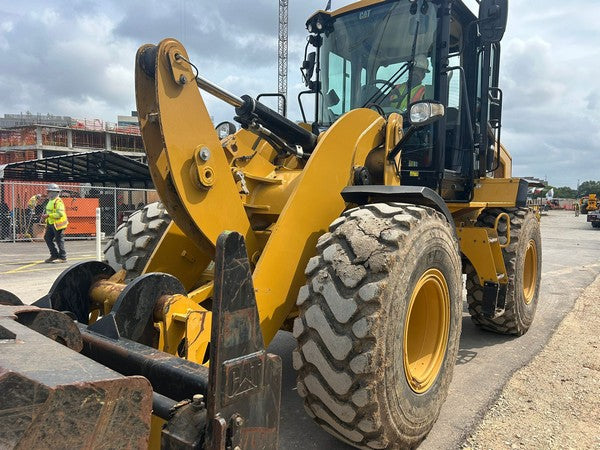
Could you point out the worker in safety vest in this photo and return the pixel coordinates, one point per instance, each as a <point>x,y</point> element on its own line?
<point>399,97</point>
<point>33,201</point>
<point>31,206</point>
<point>56,224</point>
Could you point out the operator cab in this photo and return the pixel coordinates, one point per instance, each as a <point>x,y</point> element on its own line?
<point>391,54</point>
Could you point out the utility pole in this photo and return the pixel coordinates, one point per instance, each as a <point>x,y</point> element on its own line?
<point>282,59</point>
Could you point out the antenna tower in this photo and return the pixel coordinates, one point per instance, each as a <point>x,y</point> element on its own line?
<point>282,55</point>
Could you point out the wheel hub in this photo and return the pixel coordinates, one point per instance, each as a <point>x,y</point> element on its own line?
<point>530,272</point>
<point>426,330</point>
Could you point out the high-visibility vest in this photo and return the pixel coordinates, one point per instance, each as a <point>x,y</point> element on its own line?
<point>55,208</point>
<point>399,99</point>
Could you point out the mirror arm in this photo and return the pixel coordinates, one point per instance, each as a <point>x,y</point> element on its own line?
<point>394,152</point>
<point>411,130</point>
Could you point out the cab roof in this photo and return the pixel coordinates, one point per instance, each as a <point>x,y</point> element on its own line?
<point>364,3</point>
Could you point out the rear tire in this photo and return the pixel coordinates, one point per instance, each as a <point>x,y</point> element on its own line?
<point>523,261</point>
<point>379,324</point>
<point>136,239</point>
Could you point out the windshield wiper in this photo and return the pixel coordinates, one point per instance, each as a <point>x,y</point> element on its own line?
<point>377,97</point>
<point>389,85</point>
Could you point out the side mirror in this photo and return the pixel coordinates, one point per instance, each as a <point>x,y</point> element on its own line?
<point>493,15</point>
<point>495,98</point>
<point>308,67</point>
<point>332,98</point>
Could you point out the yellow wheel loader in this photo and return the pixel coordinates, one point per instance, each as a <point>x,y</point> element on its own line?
<point>592,204</point>
<point>593,214</point>
<point>351,229</point>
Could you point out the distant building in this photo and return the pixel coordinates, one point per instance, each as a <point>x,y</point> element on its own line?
<point>533,181</point>
<point>24,119</point>
<point>29,136</point>
<point>128,121</point>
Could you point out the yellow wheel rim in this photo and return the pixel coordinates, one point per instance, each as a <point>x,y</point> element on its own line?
<point>530,272</point>
<point>426,330</point>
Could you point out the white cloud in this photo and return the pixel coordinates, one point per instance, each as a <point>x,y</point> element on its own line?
<point>549,77</point>
<point>76,58</point>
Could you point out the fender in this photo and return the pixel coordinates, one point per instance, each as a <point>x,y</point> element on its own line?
<point>417,195</point>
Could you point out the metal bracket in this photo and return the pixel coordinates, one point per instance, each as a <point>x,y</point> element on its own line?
<point>70,290</point>
<point>245,381</point>
<point>482,248</point>
<point>132,315</point>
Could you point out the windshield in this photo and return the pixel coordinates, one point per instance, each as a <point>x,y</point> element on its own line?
<point>381,55</point>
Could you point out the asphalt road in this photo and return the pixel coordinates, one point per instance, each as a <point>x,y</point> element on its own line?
<point>485,361</point>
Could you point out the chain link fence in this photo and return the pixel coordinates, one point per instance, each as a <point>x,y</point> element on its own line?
<point>22,205</point>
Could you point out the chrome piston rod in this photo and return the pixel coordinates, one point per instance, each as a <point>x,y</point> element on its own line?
<point>247,109</point>
<point>219,92</point>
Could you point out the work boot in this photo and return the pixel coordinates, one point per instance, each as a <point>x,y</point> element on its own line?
<point>51,259</point>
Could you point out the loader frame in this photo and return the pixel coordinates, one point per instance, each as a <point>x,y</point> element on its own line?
<point>248,211</point>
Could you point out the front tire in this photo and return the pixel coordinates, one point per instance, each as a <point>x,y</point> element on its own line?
<point>379,324</point>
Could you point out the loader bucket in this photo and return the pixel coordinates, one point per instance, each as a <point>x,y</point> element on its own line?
<point>58,398</point>
<point>233,404</point>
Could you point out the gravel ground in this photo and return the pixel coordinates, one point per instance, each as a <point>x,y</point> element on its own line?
<point>553,402</point>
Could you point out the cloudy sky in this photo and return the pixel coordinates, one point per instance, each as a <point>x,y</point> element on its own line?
<point>75,57</point>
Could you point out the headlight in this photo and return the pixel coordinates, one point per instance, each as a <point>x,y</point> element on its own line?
<point>319,22</point>
<point>425,112</point>
<point>224,129</point>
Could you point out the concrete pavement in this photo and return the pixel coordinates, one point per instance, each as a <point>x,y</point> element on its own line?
<point>24,273</point>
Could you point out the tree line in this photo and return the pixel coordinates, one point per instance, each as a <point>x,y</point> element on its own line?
<point>585,188</point>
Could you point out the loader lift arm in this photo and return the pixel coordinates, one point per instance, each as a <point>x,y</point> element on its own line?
<point>183,149</point>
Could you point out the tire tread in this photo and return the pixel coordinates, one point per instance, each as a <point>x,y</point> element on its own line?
<point>136,239</point>
<point>345,283</point>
